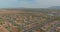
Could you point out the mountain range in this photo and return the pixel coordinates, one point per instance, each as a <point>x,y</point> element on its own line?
<point>54,7</point>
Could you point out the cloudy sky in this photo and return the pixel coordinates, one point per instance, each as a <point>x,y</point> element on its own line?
<point>28,3</point>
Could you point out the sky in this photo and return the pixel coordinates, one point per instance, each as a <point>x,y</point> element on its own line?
<point>28,3</point>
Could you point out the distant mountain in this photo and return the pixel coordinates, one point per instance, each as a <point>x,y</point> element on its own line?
<point>54,7</point>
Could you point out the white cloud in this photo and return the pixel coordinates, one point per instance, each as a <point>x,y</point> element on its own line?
<point>29,3</point>
<point>24,3</point>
